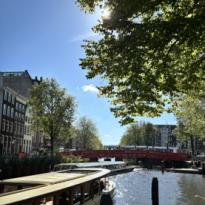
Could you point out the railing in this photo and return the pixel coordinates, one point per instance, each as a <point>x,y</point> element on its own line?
<point>161,155</point>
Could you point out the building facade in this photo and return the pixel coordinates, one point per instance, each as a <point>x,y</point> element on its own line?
<point>12,121</point>
<point>15,119</point>
<point>165,135</point>
<point>21,82</point>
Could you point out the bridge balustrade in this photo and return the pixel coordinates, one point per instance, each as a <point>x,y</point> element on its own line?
<point>151,154</point>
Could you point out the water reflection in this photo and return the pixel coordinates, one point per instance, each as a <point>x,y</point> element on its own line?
<point>134,188</point>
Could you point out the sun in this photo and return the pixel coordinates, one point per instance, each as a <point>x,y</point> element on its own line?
<point>106,13</point>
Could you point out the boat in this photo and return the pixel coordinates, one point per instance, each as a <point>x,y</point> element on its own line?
<point>102,164</point>
<point>115,167</point>
<point>76,186</point>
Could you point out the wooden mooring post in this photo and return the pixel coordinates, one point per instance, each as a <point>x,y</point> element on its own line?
<point>203,169</point>
<point>155,191</point>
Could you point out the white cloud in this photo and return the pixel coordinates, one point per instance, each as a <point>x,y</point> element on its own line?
<point>90,88</point>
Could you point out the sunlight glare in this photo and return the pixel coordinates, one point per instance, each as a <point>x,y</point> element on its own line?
<point>106,13</point>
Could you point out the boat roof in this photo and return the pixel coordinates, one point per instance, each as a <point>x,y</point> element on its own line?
<point>47,178</point>
<point>52,177</point>
<point>92,164</point>
<point>22,196</point>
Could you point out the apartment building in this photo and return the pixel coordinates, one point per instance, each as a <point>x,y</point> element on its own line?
<point>15,119</point>
<point>165,135</point>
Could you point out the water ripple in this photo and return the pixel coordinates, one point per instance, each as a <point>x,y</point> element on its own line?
<point>134,188</point>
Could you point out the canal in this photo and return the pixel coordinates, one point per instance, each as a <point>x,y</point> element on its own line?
<point>134,188</point>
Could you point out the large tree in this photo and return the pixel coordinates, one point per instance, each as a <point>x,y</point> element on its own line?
<point>86,135</point>
<point>139,134</point>
<point>190,113</point>
<point>132,136</point>
<point>149,53</point>
<point>52,109</point>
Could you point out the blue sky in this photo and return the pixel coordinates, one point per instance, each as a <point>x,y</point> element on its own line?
<point>45,37</point>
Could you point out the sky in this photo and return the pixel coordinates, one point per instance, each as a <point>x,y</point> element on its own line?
<point>45,38</point>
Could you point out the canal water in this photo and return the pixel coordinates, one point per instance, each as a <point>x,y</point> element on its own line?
<point>134,188</point>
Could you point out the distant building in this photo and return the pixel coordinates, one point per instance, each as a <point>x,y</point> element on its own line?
<point>13,108</point>
<point>21,82</point>
<point>165,135</point>
<point>15,119</point>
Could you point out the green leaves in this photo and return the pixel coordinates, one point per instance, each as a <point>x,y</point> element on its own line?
<point>191,115</point>
<point>139,134</point>
<point>86,135</point>
<point>150,52</point>
<point>51,108</point>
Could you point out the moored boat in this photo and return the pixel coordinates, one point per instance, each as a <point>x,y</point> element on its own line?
<point>77,186</point>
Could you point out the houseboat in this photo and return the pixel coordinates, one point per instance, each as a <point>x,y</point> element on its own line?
<point>77,186</point>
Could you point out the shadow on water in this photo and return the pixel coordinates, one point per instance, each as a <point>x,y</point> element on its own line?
<point>134,188</point>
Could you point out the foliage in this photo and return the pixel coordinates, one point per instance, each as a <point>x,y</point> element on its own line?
<point>132,136</point>
<point>139,134</point>
<point>15,167</point>
<point>86,135</point>
<point>149,53</point>
<point>73,159</point>
<point>51,108</point>
<point>180,132</point>
<point>191,115</point>
<point>191,118</point>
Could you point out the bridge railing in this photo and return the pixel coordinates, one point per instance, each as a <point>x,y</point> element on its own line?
<point>162,155</point>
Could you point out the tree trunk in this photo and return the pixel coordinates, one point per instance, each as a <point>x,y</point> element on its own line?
<point>192,145</point>
<point>52,152</point>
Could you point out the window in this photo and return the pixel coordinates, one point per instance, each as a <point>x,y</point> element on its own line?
<point>9,97</point>
<point>8,111</point>
<point>13,100</point>
<point>3,125</point>
<point>19,108</point>
<point>12,112</point>
<point>11,127</point>
<point>5,96</point>
<point>15,128</point>
<point>19,129</point>
<point>17,105</point>
<point>4,109</point>
<point>7,125</point>
<point>16,115</point>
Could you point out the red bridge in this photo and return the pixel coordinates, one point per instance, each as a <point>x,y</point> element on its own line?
<point>135,154</point>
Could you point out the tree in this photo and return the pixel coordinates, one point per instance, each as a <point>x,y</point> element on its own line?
<point>181,134</point>
<point>191,116</point>
<point>132,136</point>
<point>139,134</point>
<point>86,135</point>
<point>149,53</point>
<point>52,109</point>
<point>149,134</point>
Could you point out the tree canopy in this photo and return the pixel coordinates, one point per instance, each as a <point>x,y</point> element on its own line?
<point>191,115</point>
<point>86,135</point>
<point>51,108</point>
<point>139,134</point>
<point>149,53</point>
